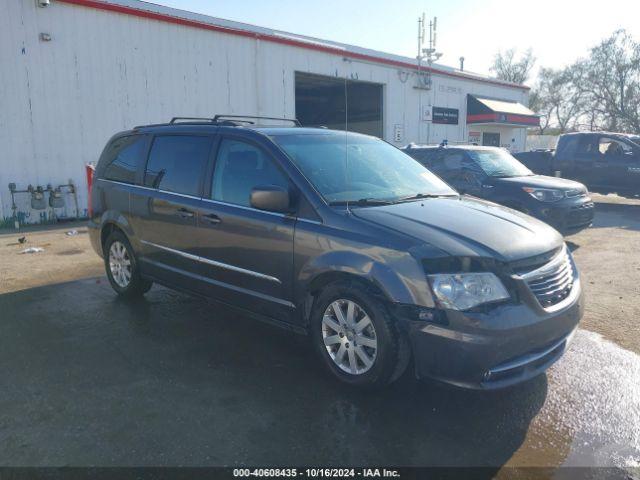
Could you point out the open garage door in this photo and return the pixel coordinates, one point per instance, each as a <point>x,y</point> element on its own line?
<point>339,104</point>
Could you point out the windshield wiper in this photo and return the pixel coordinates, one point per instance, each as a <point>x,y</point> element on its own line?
<point>418,196</point>
<point>513,176</point>
<point>363,202</point>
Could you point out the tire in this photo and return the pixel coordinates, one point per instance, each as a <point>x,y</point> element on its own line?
<point>333,336</point>
<point>122,267</point>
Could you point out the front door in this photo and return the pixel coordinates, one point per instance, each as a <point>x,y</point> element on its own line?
<point>491,139</point>
<point>579,160</point>
<point>247,254</point>
<point>164,209</point>
<point>617,164</point>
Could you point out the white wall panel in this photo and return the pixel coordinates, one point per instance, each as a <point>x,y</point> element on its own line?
<point>103,72</point>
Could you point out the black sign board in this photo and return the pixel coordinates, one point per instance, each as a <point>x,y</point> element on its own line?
<point>448,116</point>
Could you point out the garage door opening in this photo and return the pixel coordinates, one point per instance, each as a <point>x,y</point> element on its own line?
<point>339,104</point>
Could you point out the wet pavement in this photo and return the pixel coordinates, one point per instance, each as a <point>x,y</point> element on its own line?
<point>88,379</point>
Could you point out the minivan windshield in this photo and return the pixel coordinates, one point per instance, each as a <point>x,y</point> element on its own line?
<point>498,163</point>
<point>348,167</point>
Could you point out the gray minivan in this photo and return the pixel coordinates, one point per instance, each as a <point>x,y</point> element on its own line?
<point>342,237</point>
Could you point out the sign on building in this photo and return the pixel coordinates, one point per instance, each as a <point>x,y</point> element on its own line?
<point>474,137</point>
<point>398,133</point>
<point>447,116</point>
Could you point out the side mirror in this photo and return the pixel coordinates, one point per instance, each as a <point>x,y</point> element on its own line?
<point>271,198</point>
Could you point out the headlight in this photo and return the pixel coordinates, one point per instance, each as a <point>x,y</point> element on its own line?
<point>461,291</point>
<point>545,194</point>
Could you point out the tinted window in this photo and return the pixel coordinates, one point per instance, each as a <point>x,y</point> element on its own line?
<point>176,163</point>
<point>570,146</point>
<point>610,147</point>
<point>346,167</point>
<point>587,148</point>
<point>454,166</point>
<point>423,155</point>
<point>123,156</point>
<point>497,162</point>
<point>239,168</point>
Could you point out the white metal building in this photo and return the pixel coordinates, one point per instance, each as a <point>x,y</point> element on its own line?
<point>74,72</point>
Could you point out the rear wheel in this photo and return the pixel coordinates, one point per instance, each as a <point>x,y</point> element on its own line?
<point>122,267</point>
<point>356,338</point>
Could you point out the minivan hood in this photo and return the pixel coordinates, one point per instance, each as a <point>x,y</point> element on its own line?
<point>467,226</point>
<point>539,181</point>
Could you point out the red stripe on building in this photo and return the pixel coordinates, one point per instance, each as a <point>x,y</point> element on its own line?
<point>495,118</point>
<point>161,17</point>
<point>482,117</point>
<point>528,119</point>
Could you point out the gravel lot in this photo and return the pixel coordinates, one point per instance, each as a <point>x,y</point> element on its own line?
<point>175,380</point>
<point>608,255</point>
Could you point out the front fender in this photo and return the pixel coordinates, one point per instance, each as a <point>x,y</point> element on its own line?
<point>398,275</point>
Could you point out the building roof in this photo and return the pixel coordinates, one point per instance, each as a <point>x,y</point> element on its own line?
<point>181,17</point>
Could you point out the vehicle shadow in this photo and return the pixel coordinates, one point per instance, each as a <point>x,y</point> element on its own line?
<point>176,380</point>
<point>617,215</point>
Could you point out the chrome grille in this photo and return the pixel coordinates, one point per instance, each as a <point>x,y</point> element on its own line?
<point>552,282</point>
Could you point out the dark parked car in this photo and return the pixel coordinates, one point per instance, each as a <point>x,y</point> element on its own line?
<point>493,174</point>
<point>342,237</point>
<point>605,162</point>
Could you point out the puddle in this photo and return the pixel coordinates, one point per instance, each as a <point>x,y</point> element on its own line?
<point>592,409</point>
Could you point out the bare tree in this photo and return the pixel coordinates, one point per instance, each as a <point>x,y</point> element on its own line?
<point>610,79</point>
<point>511,69</point>
<point>540,102</point>
<point>557,100</point>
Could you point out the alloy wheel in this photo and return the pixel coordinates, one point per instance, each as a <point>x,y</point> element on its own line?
<point>349,336</point>
<point>120,264</point>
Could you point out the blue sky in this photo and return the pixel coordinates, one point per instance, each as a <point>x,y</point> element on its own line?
<point>559,31</point>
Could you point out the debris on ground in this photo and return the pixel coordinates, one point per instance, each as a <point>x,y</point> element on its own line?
<point>32,250</point>
<point>72,233</point>
<point>22,239</point>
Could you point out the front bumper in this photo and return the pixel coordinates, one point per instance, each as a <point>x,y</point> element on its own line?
<point>567,216</point>
<point>505,346</point>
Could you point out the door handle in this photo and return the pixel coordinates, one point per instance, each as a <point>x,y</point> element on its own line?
<point>184,213</point>
<point>211,218</point>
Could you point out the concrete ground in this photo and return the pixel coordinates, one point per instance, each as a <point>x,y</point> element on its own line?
<point>87,379</point>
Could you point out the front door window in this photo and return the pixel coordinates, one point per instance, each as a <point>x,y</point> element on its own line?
<point>239,168</point>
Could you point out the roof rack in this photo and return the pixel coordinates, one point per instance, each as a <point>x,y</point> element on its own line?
<point>221,120</point>
<point>257,117</point>
<point>191,119</point>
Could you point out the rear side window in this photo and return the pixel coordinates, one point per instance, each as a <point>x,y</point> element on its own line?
<point>123,156</point>
<point>424,156</point>
<point>450,165</point>
<point>240,167</point>
<point>586,149</point>
<point>177,162</point>
<point>570,146</point>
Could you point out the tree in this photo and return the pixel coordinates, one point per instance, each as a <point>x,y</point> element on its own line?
<point>540,102</point>
<point>507,67</point>
<point>557,99</point>
<point>610,79</point>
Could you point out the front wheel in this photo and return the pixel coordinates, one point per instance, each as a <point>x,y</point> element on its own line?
<point>122,267</point>
<point>356,338</point>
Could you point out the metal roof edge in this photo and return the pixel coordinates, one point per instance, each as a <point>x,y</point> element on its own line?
<point>182,17</point>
